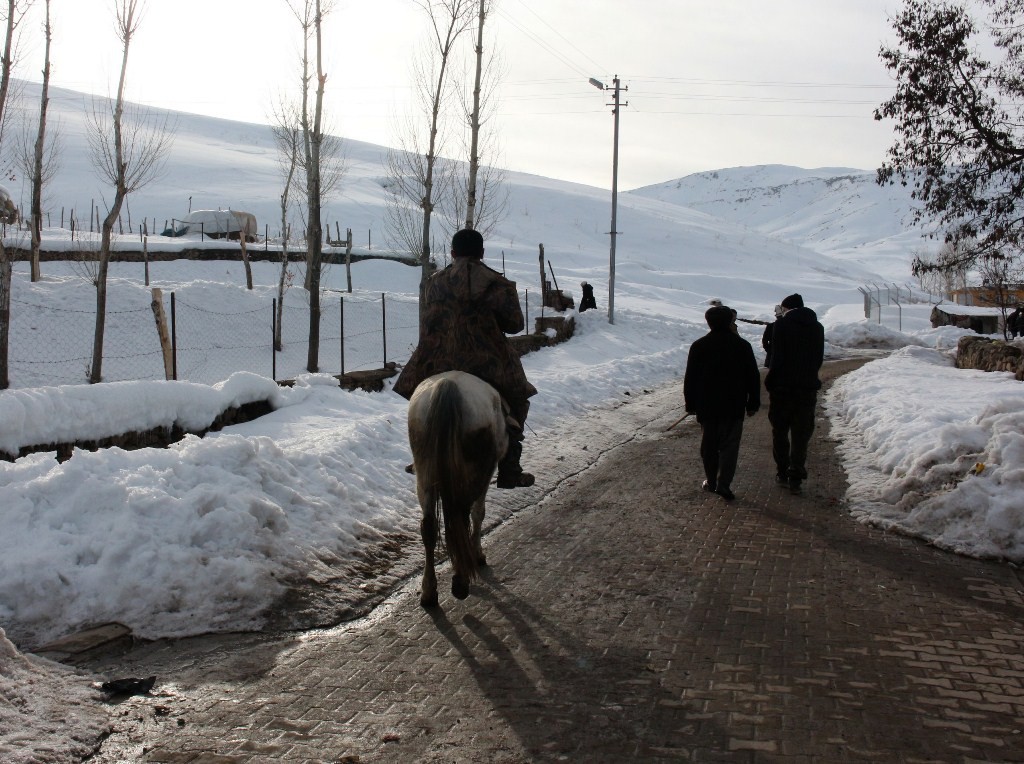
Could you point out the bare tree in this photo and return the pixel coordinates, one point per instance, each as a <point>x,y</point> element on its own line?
<point>15,12</point>
<point>43,163</point>
<point>474,118</point>
<point>1001,278</point>
<point>310,15</point>
<point>288,137</point>
<point>414,168</point>
<point>129,148</point>
<point>24,160</point>
<point>942,273</point>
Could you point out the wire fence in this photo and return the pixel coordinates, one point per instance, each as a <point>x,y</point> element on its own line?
<point>50,344</point>
<point>884,302</point>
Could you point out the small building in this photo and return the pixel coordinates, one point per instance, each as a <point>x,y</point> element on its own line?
<point>980,320</point>
<point>216,224</point>
<point>990,296</point>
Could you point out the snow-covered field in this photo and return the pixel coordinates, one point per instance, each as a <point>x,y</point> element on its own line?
<point>208,534</point>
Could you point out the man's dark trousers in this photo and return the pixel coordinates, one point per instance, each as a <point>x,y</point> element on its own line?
<point>720,448</point>
<point>791,414</point>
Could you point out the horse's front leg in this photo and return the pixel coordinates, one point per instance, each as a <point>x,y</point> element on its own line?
<point>428,532</point>
<point>478,521</point>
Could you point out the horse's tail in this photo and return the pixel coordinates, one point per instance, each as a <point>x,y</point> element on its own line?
<point>445,464</point>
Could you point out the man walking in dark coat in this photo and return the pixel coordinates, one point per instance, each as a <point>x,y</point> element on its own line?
<point>469,310</point>
<point>766,338</point>
<point>721,383</point>
<point>798,350</point>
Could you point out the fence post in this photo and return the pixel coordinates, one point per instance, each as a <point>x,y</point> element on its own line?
<point>384,327</point>
<point>174,339</point>
<point>273,337</point>
<point>342,333</point>
<point>526,323</point>
<point>161,330</point>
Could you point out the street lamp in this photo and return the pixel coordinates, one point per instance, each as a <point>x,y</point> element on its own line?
<point>615,88</point>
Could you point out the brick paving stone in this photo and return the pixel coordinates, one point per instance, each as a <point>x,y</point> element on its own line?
<point>631,616</point>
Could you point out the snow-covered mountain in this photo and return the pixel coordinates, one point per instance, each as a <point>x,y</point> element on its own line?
<point>839,211</point>
<point>830,221</point>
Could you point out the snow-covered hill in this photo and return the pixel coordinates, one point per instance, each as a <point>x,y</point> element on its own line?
<point>833,221</point>
<point>834,210</point>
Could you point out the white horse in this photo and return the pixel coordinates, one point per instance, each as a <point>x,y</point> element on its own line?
<point>458,434</point>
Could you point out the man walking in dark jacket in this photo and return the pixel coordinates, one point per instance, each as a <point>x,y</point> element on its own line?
<point>720,384</point>
<point>798,350</point>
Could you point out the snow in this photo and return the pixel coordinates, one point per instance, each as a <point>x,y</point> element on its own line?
<point>935,451</point>
<point>208,534</point>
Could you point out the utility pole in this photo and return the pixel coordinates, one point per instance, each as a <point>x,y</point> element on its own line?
<point>616,89</point>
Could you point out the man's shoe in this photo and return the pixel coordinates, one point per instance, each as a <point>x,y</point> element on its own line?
<point>725,493</point>
<point>522,480</point>
<point>708,486</point>
<point>782,479</point>
<point>795,487</point>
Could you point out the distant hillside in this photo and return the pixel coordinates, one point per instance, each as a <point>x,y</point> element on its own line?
<point>838,211</point>
<point>738,232</point>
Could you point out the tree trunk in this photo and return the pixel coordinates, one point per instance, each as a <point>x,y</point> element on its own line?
<point>37,173</point>
<point>245,261</point>
<point>278,345</point>
<point>120,191</point>
<point>5,316</point>
<point>7,64</point>
<point>106,235</point>
<point>348,259</point>
<point>316,232</point>
<point>474,147</point>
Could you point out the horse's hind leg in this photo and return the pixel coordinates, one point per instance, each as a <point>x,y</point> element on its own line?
<point>478,521</point>
<point>428,532</point>
<point>460,582</point>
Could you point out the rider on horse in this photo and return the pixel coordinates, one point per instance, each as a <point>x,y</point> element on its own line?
<point>469,308</point>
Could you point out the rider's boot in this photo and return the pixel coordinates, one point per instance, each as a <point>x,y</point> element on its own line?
<point>510,473</point>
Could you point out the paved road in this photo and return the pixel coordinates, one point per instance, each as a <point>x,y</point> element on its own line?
<point>632,617</point>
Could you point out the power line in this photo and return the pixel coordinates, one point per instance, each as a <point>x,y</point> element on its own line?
<point>553,51</point>
<point>564,38</point>
<point>761,83</point>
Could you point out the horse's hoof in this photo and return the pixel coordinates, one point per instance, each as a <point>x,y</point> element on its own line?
<point>460,587</point>
<point>429,602</point>
<point>481,561</point>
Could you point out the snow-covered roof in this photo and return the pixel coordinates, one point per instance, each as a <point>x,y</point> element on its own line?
<point>953,309</point>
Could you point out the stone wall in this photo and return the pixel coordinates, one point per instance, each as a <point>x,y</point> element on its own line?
<point>562,327</point>
<point>986,354</point>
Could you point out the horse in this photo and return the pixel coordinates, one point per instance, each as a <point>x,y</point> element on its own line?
<point>458,434</point>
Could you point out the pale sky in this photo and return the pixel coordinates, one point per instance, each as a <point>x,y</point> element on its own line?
<point>711,84</point>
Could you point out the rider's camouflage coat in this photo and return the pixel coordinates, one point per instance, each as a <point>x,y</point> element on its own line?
<point>469,310</point>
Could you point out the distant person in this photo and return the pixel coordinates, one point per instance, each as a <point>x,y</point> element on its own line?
<point>720,385</point>
<point>469,310</point>
<point>766,338</point>
<point>1015,322</point>
<point>587,301</point>
<point>798,350</point>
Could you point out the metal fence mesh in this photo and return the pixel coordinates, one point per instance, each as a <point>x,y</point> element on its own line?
<point>51,345</point>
